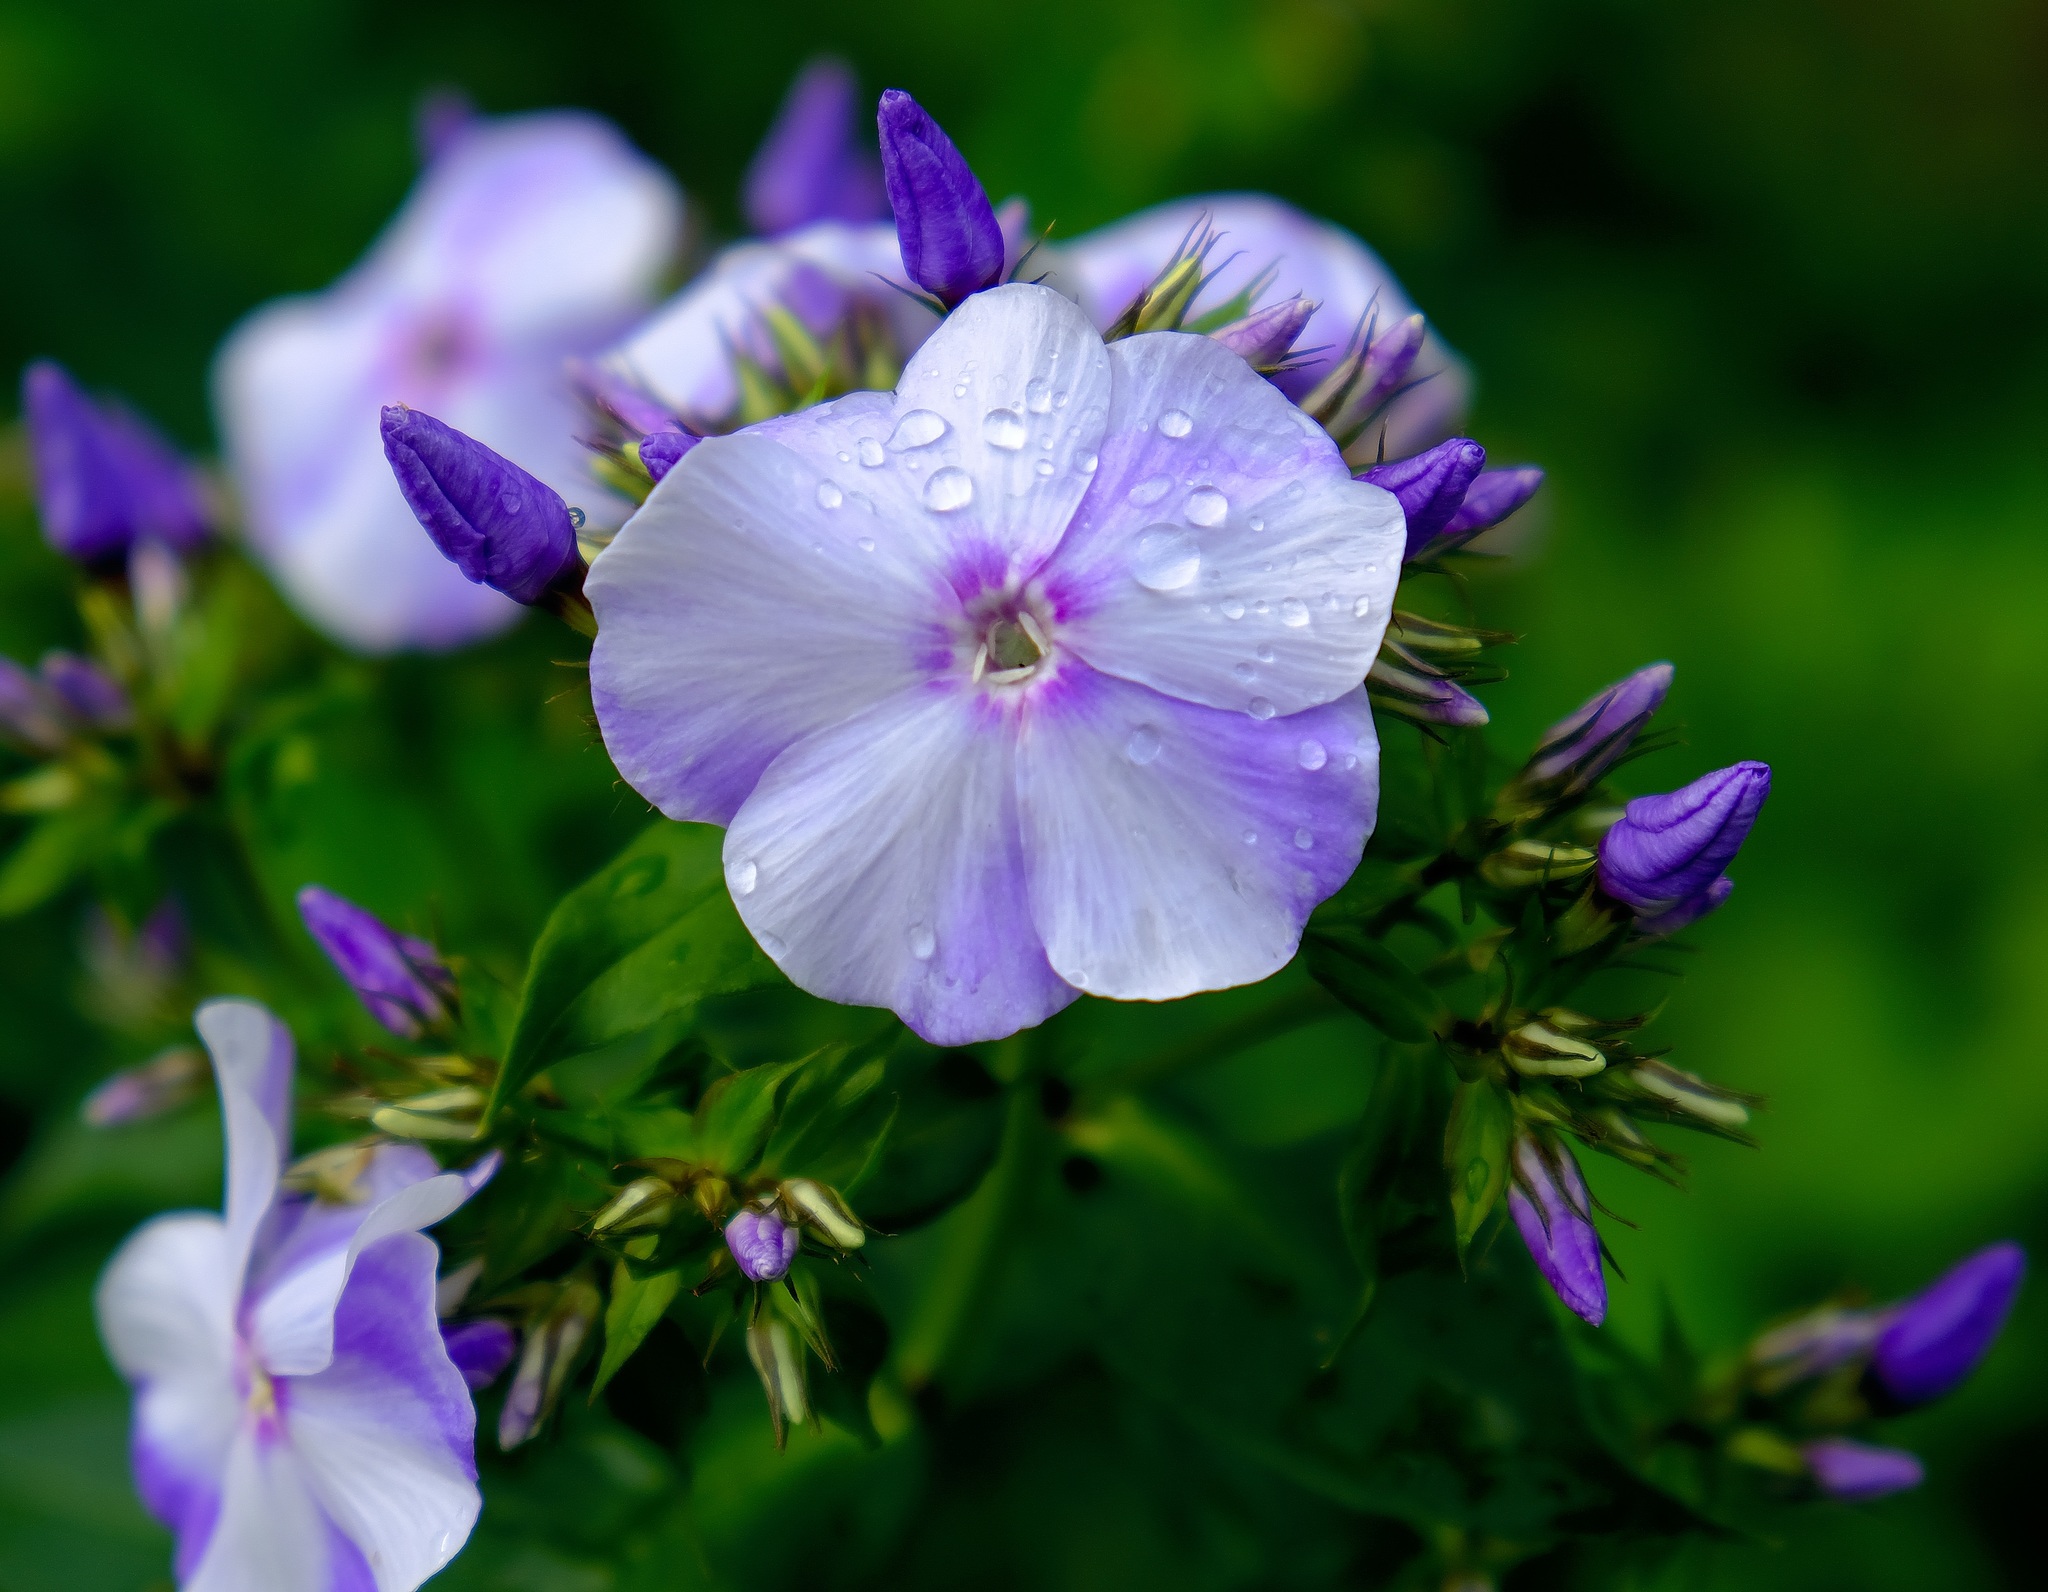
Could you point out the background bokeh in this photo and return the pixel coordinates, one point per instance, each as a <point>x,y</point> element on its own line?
<point>1763,285</point>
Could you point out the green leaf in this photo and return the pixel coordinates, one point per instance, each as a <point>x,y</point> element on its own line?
<point>637,1303</point>
<point>1476,1154</point>
<point>54,850</point>
<point>1372,981</point>
<point>651,935</point>
<point>833,1119</point>
<point>736,1116</point>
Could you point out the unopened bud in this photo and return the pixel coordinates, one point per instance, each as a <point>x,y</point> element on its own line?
<point>1686,1094</point>
<point>778,1357</point>
<point>442,1114</point>
<point>1576,751</point>
<point>762,1244</point>
<point>821,1209</point>
<point>1537,1050</point>
<point>1369,376</point>
<point>166,1081</point>
<point>1265,338</point>
<point>1856,1472</point>
<point>1668,851</point>
<point>1554,1214</point>
<point>1812,1345</point>
<point>1429,487</point>
<point>644,1202</point>
<point>809,168</point>
<point>552,1345</point>
<point>951,242</point>
<point>1491,498</point>
<point>1425,698</point>
<point>402,980</point>
<point>1937,1337</point>
<point>1524,864</point>
<point>661,451</point>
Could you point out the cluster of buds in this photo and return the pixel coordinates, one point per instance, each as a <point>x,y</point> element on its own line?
<point>1424,667</point>
<point>1448,496</point>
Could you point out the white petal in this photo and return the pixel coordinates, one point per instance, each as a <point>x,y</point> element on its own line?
<point>252,1062</point>
<point>271,1536</point>
<point>879,864</point>
<point>1225,554</point>
<point>746,605</point>
<point>386,1433</point>
<point>1175,848</point>
<point>292,1325</point>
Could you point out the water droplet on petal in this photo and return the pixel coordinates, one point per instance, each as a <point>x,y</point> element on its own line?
<point>870,452</point>
<point>1256,523</point>
<point>1207,506</point>
<point>1175,423</point>
<point>1038,395</point>
<point>1350,762</point>
<point>771,943</point>
<point>1293,612</point>
<point>845,457</point>
<point>1166,558</point>
<point>1312,755</point>
<point>1043,467</point>
<point>866,544</point>
<point>920,428</point>
<point>1260,709</point>
<point>1245,673</point>
<point>829,496</point>
<point>948,489</point>
<point>1143,745</point>
<point>922,942</point>
<point>960,391</point>
<point>1005,429</point>
<point>1086,463</point>
<point>745,875</point>
<point>1265,654</point>
<point>1146,493</point>
<point>1233,608</point>
<point>1250,837</point>
<point>1361,608</point>
<point>1303,840</point>
<point>1294,489</point>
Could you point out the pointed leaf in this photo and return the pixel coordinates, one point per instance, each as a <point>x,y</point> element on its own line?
<point>1476,1154</point>
<point>637,1303</point>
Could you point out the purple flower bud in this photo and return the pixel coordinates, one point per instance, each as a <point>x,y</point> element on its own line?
<point>1858,1471</point>
<point>1264,338</point>
<point>500,526</point>
<point>1491,499</point>
<point>1554,1215</point>
<point>400,979</point>
<point>762,1244</point>
<point>480,1349</point>
<point>808,167</point>
<point>1688,912</point>
<point>1430,486</point>
<point>89,694</point>
<point>30,713</point>
<point>1581,748</point>
<point>1814,1344</point>
<point>134,1094</point>
<point>660,450</point>
<point>103,477</point>
<point>1936,1338</point>
<point>1427,698</point>
<point>951,242</point>
<point>1666,850</point>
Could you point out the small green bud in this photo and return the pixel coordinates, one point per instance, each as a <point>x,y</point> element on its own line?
<point>644,1202</point>
<point>1524,864</point>
<point>824,1212</point>
<point>549,1355</point>
<point>1686,1094</point>
<point>779,1359</point>
<point>441,1114</point>
<point>1537,1050</point>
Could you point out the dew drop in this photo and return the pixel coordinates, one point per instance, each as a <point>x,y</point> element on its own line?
<point>1005,429</point>
<point>845,457</point>
<point>1260,709</point>
<point>1233,608</point>
<point>772,944</point>
<point>1166,558</point>
<point>1303,840</point>
<point>870,452</point>
<point>1350,762</point>
<point>1059,400</point>
<point>1265,654</point>
<point>1261,606</point>
<point>948,489</point>
<point>1207,506</point>
<point>920,428</point>
<point>1143,745</point>
<point>1250,837</point>
<point>1146,493</point>
<point>1256,523</point>
<point>1086,463</point>
<point>829,496</point>
<point>1175,423</point>
<point>1294,489</point>
<point>866,544</point>
<point>960,391</point>
<point>923,942</point>
<point>1312,755</point>
<point>1245,673</point>
<point>745,875</point>
<point>1043,467</point>
<point>1293,612</point>
<point>1038,395</point>
<point>1361,608</point>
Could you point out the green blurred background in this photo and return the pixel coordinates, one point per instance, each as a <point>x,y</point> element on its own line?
<point>1763,285</point>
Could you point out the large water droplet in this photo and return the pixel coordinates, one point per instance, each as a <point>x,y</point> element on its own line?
<point>1043,467</point>
<point>1232,608</point>
<point>829,496</point>
<point>870,452</point>
<point>1260,709</point>
<point>920,428</point>
<point>1038,395</point>
<point>1143,745</point>
<point>1175,423</point>
<point>1303,840</point>
<point>1250,837</point>
<point>1146,493</point>
<point>772,944</point>
<point>1265,654</point>
<point>922,942</point>
<point>745,875</point>
<point>1293,612</point>
<point>1207,506</point>
<point>1361,608</point>
<point>866,544</point>
<point>1004,428</point>
<point>1312,755</point>
<point>1166,558</point>
<point>948,489</point>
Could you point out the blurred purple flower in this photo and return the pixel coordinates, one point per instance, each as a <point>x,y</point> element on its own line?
<point>1582,747</point>
<point>30,713</point>
<point>1855,1472</point>
<point>90,695</point>
<point>809,167</point>
<point>1934,1340</point>
<point>400,979</point>
<point>167,1080</point>
<point>480,1349</point>
<point>104,478</point>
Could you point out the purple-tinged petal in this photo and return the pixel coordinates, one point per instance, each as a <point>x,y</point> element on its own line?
<point>165,1307</point>
<point>1855,1472</point>
<point>500,526</point>
<point>1309,258</point>
<point>168,1080</point>
<point>1816,1343</point>
<point>30,712</point>
<point>386,1433</point>
<point>1582,747</point>
<point>89,694</point>
<point>308,1229</point>
<point>951,242</point>
<point>441,120</point>
<point>400,980</point>
<point>103,478</point>
<point>1223,554</point>
<point>480,1350</point>
<point>661,451</point>
<point>1492,498</point>
<point>1175,848</point>
<point>163,496</point>
<point>879,864</point>
<point>1664,850</point>
<point>1430,486</point>
<point>1554,1214</point>
<point>762,1244</point>
<point>1264,338</point>
<point>1936,1338</point>
<point>252,1064</point>
<point>1688,912</point>
<point>809,168</point>
<point>271,1534</point>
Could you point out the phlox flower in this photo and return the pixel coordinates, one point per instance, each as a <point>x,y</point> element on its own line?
<point>528,240</point>
<point>1040,674</point>
<point>298,1422</point>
